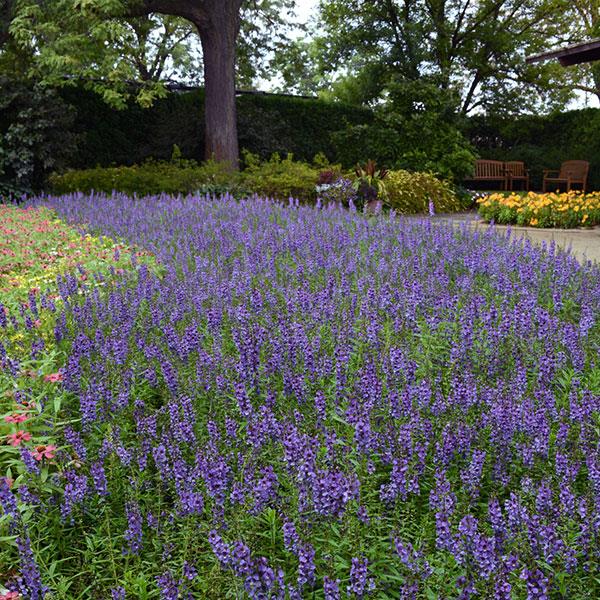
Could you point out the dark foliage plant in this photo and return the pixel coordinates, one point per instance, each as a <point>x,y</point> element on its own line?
<point>36,135</point>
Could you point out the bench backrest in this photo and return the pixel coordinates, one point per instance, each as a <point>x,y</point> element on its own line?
<point>576,169</point>
<point>489,168</point>
<point>515,167</point>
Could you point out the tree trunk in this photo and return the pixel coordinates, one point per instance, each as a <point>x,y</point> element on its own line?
<point>218,34</point>
<point>218,23</point>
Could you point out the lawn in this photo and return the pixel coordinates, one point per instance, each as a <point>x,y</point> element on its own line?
<point>294,402</point>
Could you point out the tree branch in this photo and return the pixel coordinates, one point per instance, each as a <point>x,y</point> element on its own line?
<point>192,10</point>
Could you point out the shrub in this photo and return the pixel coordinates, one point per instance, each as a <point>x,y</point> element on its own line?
<point>277,178</point>
<point>280,178</point>
<point>411,192</point>
<point>416,129</point>
<point>266,124</point>
<point>35,135</point>
<point>152,177</point>
<point>572,209</point>
<point>370,182</point>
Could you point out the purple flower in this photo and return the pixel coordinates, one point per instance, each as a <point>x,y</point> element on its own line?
<point>331,588</point>
<point>220,548</point>
<point>118,593</point>
<point>75,492</point>
<point>306,565</point>
<point>537,584</point>
<point>133,533</point>
<point>360,582</point>
<point>99,478</point>
<point>168,586</point>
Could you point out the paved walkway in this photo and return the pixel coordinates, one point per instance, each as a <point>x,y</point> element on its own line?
<point>583,243</point>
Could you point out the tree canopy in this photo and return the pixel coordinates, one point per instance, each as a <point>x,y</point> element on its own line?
<point>474,49</point>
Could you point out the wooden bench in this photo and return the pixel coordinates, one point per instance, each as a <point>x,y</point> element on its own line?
<point>489,170</point>
<point>571,171</point>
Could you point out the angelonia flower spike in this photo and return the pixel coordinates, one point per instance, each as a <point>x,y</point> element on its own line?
<point>300,402</point>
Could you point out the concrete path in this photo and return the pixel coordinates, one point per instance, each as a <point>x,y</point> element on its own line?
<point>583,243</point>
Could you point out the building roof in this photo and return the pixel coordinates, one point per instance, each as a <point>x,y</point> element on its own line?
<point>571,55</point>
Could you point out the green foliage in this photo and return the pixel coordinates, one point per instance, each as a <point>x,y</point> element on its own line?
<point>111,42</point>
<point>266,124</point>
<point>280,178</point>
<point>417,129</point>
<point>542,142</point>
<point>35,135</point>
<point>476,49</point>
<point>152,177</point>
<point>426,118</point>
<point>355,142</point>
<point>410,193</point>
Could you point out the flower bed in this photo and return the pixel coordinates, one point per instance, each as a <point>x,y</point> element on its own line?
<point>43,264</point>
<point>308,403</point>
<point>572,209</point>
<point>36,248</point>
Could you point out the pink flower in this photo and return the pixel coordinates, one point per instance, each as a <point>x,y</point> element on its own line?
<point>44,452</point>
<point>53,377</point>
<point>16,418</point>
<point>15,439</point>
<point>10,596</point>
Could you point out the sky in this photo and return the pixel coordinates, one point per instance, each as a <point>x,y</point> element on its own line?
<point>305,9</point>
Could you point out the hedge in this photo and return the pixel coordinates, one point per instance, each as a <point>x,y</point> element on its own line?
<point>542,142</point>
<point>267,124</point>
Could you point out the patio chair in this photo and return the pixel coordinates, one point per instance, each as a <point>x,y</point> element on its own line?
<point>571,171</point>
<point>516,171</point>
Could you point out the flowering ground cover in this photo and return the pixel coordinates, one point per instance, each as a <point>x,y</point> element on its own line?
<point>309,403</point>
<point>43,261</point>
<point>36,247</point>
<point>566,210</point>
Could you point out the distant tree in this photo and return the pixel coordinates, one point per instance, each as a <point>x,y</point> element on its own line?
<point>472,48</point>
<point>585,26</point>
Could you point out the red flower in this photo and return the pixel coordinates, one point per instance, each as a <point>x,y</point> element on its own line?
<point>16,418</point>
<point>15,439</point>
<point>53,377</point>
<point>44,452</point>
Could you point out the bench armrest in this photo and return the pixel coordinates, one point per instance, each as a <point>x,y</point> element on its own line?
<point>549,171</point>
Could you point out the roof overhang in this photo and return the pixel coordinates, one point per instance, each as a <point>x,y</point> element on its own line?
<point>571,55</point>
